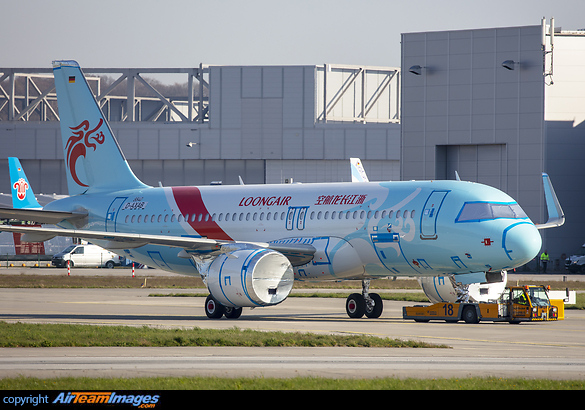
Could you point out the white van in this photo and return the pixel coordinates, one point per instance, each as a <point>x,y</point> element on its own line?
<point>86,255</point>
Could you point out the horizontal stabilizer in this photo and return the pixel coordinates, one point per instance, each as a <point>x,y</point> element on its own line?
<point>38,215</point>
<point>556,216</point>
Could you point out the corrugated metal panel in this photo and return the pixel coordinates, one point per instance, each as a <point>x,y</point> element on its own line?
<point>272,82</point>
<point>230,103</point>
<point>251,82</point>
<point>293,95</point>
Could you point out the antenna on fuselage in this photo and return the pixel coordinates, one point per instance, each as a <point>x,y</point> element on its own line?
<point>457,176</point>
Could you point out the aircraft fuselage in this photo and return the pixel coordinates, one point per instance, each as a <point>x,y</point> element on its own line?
<point>360,230</point>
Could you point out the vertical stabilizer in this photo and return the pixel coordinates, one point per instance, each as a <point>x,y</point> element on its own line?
<point>22,193</point>
<point>358,173</point>
<point>93,160</point>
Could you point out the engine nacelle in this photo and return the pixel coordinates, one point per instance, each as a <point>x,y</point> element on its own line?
<point>489,287</point>
<point>250,278</point>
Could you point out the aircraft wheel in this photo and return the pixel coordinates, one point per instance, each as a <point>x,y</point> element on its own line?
<point>232,312</point>
<point>213,309</point>
<point>470,315</point>
<point>355,306</point>
<point>375,311</point>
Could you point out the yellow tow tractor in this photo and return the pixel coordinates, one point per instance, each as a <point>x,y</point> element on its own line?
<point>516,304</point>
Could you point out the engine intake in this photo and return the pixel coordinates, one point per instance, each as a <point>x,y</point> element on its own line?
<point>250,278</point>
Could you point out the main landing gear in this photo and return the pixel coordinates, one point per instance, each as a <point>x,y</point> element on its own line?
<point>356,305</point>
<point>367,303</point>
<point>215,310</point>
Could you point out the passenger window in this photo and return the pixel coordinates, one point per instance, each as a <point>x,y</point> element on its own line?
<point>326,216</point>
<point>127,217</point>
<point>173,218</point>
<point>333,214</point>
<point>412,214</point>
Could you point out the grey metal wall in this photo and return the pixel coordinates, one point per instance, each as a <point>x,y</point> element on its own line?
<point>466,112</point>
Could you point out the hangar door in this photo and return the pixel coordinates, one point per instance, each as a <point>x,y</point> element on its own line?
<point>486,164</point>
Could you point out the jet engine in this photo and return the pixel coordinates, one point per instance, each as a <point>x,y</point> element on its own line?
<point>250,278</point>
<point>481,287</point>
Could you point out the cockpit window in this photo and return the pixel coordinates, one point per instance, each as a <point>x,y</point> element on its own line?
<point>481,211</point>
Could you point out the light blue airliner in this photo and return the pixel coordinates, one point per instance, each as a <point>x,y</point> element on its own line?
<point>250,242</point>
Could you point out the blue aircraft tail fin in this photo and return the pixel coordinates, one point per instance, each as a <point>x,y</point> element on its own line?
<point>22,193</point>
<point>358,173</point>
<point>94,161</point>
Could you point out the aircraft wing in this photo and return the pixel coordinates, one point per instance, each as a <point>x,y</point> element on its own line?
<point>298,254</point>
<point>556,216</point>
<point>38,215</point>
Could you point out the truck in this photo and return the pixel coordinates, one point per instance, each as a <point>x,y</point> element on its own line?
<point>86,256</point>
<point>517,304</point>
<point>576,263</point>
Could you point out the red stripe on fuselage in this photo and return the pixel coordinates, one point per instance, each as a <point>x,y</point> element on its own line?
<point>189,201</point>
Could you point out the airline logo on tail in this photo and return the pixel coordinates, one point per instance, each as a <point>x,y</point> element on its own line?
<point>78,143</point>
<point>21,186</point>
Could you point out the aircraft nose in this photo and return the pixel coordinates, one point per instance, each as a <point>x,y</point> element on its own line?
<point>521,242</point>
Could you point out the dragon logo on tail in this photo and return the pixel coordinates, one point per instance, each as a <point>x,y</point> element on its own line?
<point>78,143</point>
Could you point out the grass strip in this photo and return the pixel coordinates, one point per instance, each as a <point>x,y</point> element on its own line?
<point>296,383</point>
<point>58,335</point>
